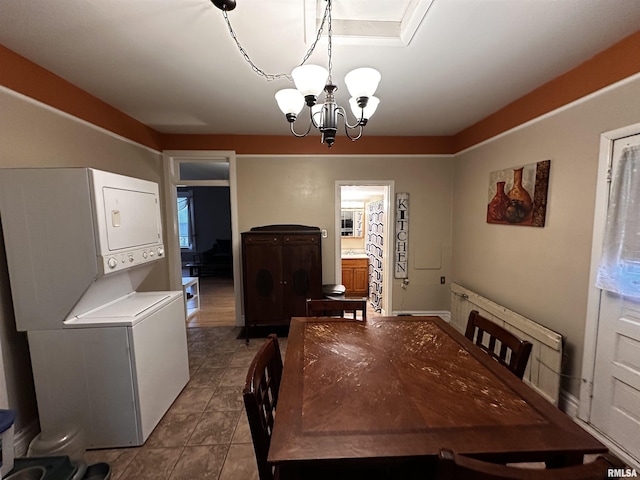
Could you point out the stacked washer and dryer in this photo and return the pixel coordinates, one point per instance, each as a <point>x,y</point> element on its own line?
<point>105,357</point>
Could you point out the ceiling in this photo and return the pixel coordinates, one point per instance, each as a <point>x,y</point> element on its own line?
<point>173,65</point>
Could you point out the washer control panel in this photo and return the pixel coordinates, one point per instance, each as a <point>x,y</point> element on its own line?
<point>123,260</point>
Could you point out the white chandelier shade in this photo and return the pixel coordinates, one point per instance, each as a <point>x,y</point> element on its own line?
<point>290,101</point>
<point>362,82</point>
<point>310,79</point>
<point>367,112</point>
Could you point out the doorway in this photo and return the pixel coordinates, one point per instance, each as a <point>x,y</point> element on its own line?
<point>203,169</point>
<point>611,365</point>
<point>363,232</point>
<point>204,223</point>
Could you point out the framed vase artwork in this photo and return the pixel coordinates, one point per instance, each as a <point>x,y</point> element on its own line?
<point>518,195</point>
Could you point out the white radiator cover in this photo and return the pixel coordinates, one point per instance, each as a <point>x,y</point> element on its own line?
<point>545,363</point>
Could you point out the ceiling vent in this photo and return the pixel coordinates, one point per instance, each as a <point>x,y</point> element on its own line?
<point>368,22</point>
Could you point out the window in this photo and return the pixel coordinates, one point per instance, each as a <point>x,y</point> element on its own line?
<point>211,170</point>
<point>186,232</point>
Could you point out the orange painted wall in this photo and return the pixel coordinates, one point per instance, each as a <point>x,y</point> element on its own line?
<point>27,78</point>
<point>267,144</point>
<point>612,65</point>
<point>609,66</point>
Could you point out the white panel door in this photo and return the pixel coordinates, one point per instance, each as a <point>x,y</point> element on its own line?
<point>615,408</point>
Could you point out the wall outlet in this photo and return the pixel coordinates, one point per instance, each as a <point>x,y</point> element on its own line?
<point>324,233</point>
<point>442,280</point>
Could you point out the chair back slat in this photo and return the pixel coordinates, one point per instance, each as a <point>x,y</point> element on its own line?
<point>503,352</point>
<point>492,344</point>
<point>260,397</point>
<point>355,308</point>
<point>513,352</point>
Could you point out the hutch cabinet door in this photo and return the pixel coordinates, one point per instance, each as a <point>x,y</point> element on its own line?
<point>302,273</point>
<point>263,281</point>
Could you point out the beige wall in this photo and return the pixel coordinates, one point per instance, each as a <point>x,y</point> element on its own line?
<point>33,136</point>
<point>291,189</point>
<point>541,273</point>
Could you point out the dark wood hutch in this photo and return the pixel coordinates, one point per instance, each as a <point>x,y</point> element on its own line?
<point>281,267</point>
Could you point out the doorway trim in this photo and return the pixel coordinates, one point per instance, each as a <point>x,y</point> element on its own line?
<point>593,300</point>
<point>172,159</point>
<point>387,283</point>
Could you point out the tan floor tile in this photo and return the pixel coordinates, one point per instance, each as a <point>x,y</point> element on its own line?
<point>215,428</point>
<point>206,378</point>
<point>174,430</point>
<point>240,463</point>
<point>226,399</point>
<point>152,464</point>
<point>195,361</point>
<point>219,333</point>
<point>218,360</point>
<point>233,377</point>
<point>242,358</point>
<point>199,347</point>
<point>224,346</point>
<point>192,400</point>
<point>200,462</point>
<point>242,433</point>
<point>193,334</point>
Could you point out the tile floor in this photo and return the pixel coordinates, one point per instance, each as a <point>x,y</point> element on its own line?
<point>205,434</point>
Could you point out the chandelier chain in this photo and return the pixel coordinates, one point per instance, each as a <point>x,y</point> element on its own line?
<point>330,40</point>
<point>327,14</point>
<point>254,67</point>
<point>279,76</point>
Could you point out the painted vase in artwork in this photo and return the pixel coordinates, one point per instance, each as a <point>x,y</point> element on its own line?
<point>520,203</point>
<point>497,208</point>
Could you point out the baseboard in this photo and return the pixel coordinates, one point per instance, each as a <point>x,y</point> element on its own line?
<point>445,315</point>
<point>568,404</point>
<point>23,438</point>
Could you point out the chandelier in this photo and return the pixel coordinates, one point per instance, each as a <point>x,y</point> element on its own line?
<point>311,80</point>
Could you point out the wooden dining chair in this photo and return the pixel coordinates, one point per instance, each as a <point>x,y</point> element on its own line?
<point>355,308</point>
<point>452,466</point>
<point>260,396</point>
<point>511,351</point>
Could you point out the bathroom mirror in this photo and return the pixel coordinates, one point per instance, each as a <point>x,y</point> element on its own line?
<point>352,222</point>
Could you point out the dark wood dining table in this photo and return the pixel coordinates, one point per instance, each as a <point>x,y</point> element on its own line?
<point>393,391</point>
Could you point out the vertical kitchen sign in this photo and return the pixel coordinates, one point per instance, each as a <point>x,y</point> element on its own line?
<point>402,235</point>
